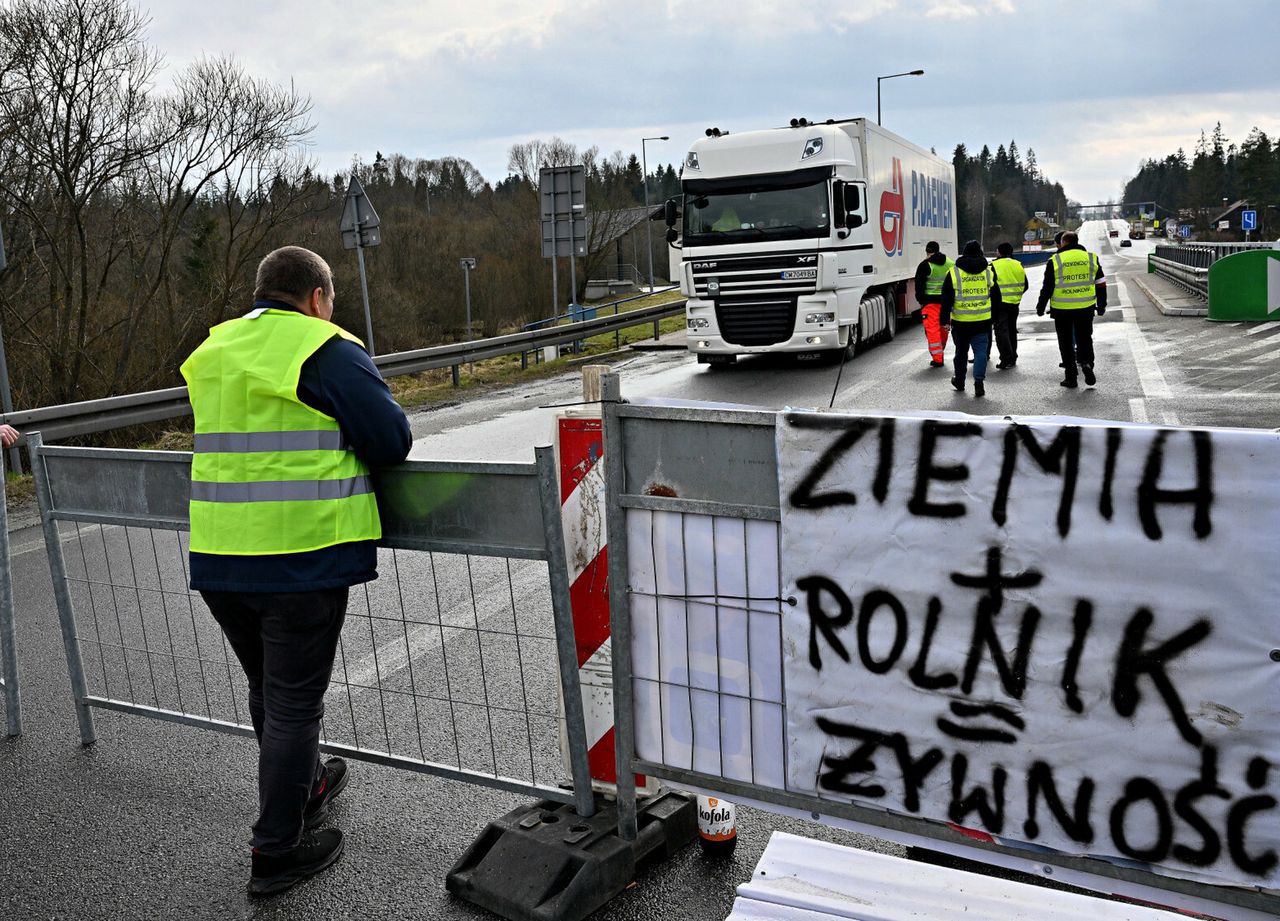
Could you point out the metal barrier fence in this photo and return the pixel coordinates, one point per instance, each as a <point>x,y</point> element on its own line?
<point>8,629</point>
<point>695,571</point>
<point>1187,265</point>
<point>452,663</point>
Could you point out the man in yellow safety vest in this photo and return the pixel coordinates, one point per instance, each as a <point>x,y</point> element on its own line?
<point>930,274</point>
<point>1011,279</point>
<point>290,415</point>
<point>1074,288</point>
<point>967,294</point>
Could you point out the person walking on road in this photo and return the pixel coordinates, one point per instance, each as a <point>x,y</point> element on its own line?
<point>1074,288</point>
<point>930,275</point>
<point>290,415</point>
<point>967,295</point>
<point>1011,279</point>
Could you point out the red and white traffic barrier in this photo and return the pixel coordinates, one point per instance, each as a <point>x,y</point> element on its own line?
<point>580,450</point>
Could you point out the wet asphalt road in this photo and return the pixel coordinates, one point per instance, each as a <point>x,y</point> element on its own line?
<point>152,820</point>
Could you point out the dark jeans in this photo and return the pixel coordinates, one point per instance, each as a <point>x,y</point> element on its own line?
<point>285,643</point>
<point>1006,321</point>
<point>977,336</point>
<point>1074,326</point>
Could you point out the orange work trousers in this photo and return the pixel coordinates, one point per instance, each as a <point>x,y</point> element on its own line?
<point>934,332</point>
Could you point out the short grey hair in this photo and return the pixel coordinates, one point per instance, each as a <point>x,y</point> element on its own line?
<point>290,274</point>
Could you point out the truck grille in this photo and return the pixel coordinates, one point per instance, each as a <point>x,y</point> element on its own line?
<point>756,321</point>
<point>768,273</point>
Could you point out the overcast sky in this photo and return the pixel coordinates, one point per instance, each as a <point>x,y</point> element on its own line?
<point>1093,87</point>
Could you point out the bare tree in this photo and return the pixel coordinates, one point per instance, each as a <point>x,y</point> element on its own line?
<point>105,178</point>
<point>75,79</point>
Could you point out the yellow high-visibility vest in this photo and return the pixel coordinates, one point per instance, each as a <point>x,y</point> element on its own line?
<point>1074,274</point>
<point>270,474</point>
<point>1011,279</point>
<point>973,295</point>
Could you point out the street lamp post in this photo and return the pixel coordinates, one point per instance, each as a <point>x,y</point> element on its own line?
<point>468,263</point>
<point>908,73</point>
<point>648,233</point>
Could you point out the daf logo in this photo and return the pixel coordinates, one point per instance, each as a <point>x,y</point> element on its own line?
<point>704,265</point>
<point>803,259</point>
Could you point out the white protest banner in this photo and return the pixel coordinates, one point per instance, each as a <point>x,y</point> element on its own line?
<point>1057,634</point>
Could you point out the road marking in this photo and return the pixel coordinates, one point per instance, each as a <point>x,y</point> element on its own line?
<point>1170,417</point>
<point>1261,328</point>
<point>1138,410</point>
<point>1154,386</point>
<point>908,358</point>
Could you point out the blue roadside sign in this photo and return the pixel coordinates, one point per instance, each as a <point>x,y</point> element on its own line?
<point>1184,230</point>
<point>1248,220</point>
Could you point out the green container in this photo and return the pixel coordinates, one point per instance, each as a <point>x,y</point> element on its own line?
<point>1245,286</point>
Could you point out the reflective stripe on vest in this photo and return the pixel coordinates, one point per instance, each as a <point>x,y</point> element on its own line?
<point>973,295</point>
<point>270,474</point>
<point>1074,274</point>
<point>1011,279</point>
<point>937,275</point>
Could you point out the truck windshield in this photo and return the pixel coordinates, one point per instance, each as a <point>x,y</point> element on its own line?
<point>735,215</point>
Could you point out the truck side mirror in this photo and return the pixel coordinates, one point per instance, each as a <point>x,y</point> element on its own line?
<point>672,235</point>
<point>672,213</point>
<point>854,220</point>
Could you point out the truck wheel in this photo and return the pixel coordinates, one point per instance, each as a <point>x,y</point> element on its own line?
<point>890,320</point>
<point>852,344</point>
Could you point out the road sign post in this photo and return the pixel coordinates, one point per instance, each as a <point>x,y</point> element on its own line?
<point>562,191</point>
<point>360,228</point>
<point>1248,222</point>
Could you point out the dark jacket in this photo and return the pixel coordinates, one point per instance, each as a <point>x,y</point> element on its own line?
<point>339,380</point>
<point>922,278</point>
<point>972,265</point>
<point>1046,289</point>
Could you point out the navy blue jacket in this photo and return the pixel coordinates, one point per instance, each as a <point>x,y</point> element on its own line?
<point>339,380</point>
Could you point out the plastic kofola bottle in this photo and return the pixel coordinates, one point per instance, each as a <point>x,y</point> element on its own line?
<point>717,826</point>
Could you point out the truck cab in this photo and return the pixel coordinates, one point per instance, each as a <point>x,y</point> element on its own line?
<point>789,240</point>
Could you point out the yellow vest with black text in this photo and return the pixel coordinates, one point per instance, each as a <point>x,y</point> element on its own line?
<point>270,474</point>
<point>937,275</point>
<point>1011,279</point>
<point>1074,274</point>
<point>973,295</point>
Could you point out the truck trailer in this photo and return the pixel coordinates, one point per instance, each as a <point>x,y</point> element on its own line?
<point>804,239</point>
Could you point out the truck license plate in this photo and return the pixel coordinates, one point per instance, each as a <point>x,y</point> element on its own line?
<point>797,274</point>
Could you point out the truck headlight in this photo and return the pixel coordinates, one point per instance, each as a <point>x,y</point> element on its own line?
<point>828,317</point>
<point>698,323</point>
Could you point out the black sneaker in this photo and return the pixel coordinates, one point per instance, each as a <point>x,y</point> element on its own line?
<point>274,873</point>
<point>331,784</point>
<point>1089,377</point>
<point>935,364</point>
<point>957,383</point>
<point>979,390</point>
<point>1069,382</point>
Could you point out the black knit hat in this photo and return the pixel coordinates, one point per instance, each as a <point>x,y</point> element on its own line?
<point>973,248</point>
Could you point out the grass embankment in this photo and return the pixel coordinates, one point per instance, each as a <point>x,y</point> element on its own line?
<point>432,388</point>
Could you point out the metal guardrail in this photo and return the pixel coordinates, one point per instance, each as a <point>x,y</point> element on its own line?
<point>71,419</point>
<point>1187,265</point>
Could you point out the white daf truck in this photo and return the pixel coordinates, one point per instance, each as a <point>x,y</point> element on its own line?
<point>804,239</point>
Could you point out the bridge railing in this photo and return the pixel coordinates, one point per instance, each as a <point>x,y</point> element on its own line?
<point>1187,265</point>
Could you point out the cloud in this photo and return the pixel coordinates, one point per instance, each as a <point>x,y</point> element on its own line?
<point>441,78</point>
<point>960,9</point>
